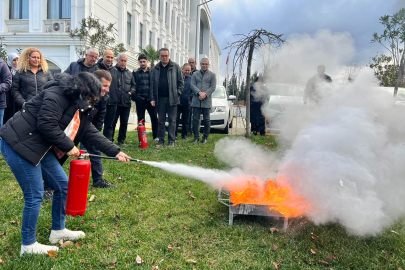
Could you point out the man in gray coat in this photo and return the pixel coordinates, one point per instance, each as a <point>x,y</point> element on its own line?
<point>203,84</point>
<point>166,86</point>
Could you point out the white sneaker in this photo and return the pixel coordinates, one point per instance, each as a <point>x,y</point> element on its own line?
<point>37,248</point>
<point>65,234</point>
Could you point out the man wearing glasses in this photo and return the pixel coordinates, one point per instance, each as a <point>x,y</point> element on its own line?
<point>86,64</point>
<point>166,87</point>
<point>193,65</point>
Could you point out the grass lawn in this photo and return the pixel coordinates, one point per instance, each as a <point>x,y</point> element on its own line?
<point>152,215</point>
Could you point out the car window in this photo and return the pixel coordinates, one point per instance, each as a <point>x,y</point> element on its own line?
<point>219,93</point>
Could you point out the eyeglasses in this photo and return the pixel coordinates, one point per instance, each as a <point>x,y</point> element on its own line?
<point>93,56</point>
<point>164,56</point>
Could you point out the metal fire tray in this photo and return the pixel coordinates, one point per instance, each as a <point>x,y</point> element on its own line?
<point>248,209</point>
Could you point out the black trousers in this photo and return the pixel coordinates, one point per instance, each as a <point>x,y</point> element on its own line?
<point>183,115</point>
<point>123,114</point>
<point>141,106</point>
<point>197,111</point>
<point>109,122</point>
<point>163,108</point>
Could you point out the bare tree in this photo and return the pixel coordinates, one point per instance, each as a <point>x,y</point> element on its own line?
<point>244,49</point>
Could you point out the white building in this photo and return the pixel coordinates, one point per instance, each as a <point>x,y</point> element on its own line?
<point>182,26</point>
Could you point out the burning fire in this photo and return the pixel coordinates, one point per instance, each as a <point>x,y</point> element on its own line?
<point>279,198</point>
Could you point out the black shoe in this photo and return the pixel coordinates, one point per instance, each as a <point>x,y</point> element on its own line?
<point>196,140</point>
<point>103,184</point>
<point>171,144</point>
<point>48,194</point>
<point>184,138</point>
<point>160,144</point>
<point>122,144</point>
<point>204,140</point>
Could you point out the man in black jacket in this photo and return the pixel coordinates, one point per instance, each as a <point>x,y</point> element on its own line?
<point>126,88</point>
<point>106,63</point>
<point>167,85</point>
<point>142,79</point>
<point>86,64</point>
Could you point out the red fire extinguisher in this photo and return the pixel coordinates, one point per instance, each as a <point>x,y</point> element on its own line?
<point>143,140</point>
<point>78,186</point>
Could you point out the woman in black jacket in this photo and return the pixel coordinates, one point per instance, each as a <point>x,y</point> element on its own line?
<point>31,77</point>
<point>40,137</point>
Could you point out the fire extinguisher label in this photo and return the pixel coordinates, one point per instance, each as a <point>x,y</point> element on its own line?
<point>143,132</point>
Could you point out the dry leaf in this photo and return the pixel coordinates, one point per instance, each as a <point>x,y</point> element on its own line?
<point>192,197</point>
<point>190,160</point>
<point>273,230</point>
<point>78,244</point>
<point>92,198</point>
<point>178,248</point>
<point>313,236</point>
<point>52,253</point>
<point>191,261</point>
<point>189,192</point>
<point>276,265</point>
<point>1,260</point>
<point>2,233</point>
<point>93,226</point>
<point>117,217</point>
<point>324,263</point>
<point>138,260</point>
<point>155,267</point>
<point>67,244</point>
<point>211,262</point>
<point>112,266</point>
<point>114,261</point>
<point>313,251</point>
<point>169,247</point>
<point>275,247</point>
<point>185,227</point>
<point>102,261</point>
<point>400,268</point>
<point>330,257</point>
<point>138,241</point>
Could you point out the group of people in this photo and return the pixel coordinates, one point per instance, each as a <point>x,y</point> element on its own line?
<point>45,119</point>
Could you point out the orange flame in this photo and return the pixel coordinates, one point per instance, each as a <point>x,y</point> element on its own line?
<point>279,198</point>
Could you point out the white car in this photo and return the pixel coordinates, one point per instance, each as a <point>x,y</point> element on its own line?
<point>222,110</point>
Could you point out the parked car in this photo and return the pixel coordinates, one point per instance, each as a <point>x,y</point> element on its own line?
<point>283,98</point>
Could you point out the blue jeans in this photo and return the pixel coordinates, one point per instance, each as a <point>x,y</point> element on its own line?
<point>30,178</point>
<point>1,116</point>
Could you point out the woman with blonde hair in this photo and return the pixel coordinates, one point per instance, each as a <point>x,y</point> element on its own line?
<point>31,77</point>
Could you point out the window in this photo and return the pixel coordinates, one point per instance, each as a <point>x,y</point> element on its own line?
<point>150,38</point>
<point>151,4</point>
<point>159,8</point>
<point>140,34</point>
<point>178,27</point>
<point>201,37</point>
<point>173,21</point>
<point>58,9</point>
<point>129,28</point>
<point>19,9</point>
<point>158,43</point>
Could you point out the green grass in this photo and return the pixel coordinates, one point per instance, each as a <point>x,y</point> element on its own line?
<point>151,209</point>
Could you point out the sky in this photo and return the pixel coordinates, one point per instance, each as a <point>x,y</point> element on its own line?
<point>358,18</point>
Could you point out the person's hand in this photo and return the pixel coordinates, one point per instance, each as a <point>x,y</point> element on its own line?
<point>202,95</point>
<point>153,103</point>
<point>122,157</point>
<point>130,93</point>
<point>74,152</point>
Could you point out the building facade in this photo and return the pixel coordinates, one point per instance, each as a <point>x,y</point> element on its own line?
<point>182,26</point>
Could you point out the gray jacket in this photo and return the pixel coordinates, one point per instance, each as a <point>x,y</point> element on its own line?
<point>204,82</point>
<point>175,81</point>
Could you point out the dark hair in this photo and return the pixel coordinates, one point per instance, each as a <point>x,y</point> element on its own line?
<point>90,86</point>
<point>164,50</point>
<point>142,56</point>
<point>101,73</point>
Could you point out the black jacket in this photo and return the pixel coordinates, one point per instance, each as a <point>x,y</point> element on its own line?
<point>137,79</point>
<point>74,67</point>
<point>256,115</point>
<point>113,94</point>
<point>41,123</point>
<point>126,85</point>
<point>5,83</point>
<point>27,84</point>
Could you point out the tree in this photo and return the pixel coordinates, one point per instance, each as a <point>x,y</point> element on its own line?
<point>393,40</point>
<point>3,51</point>
<point>92,34</point>
<point>242,95</point>
<point>352,70</point>
<point>151,53</point>
<point>233,86</point>
<point>244,49</point>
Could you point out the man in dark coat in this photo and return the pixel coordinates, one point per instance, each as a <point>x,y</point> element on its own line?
<point>183,110</point>
<point>167,85</point>
<point>143,78</point>
<point>312,92</point>
<point>106,63</point>
<point>5,84</point>
<point>86,64</point>
<point>257,97</point>
<point>126,88</point>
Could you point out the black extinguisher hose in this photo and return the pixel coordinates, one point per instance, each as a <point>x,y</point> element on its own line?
<point>105,157</point>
